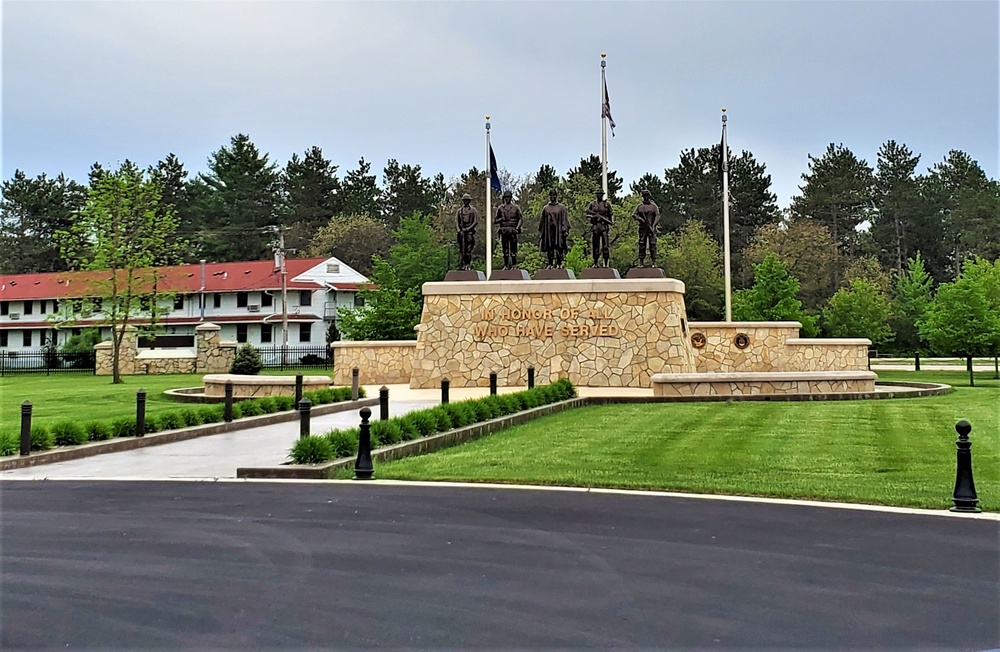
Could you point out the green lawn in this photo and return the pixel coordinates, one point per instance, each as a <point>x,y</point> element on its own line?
<point>897,452</point>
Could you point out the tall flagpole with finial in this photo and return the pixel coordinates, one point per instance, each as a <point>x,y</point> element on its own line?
<point>489,205</point>
<point>604,129</point>
<point>725,218</point>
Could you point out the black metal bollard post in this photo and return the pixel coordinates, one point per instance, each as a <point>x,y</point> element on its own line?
<point>445,385</point>
<point>304,407</point>
<point>383,403</point>
<point>965,497</point>
<point>140,413</point>
<point>355,374</point>
<point>531,378</point>
<point>363,469</point>
<point>916,361</point>
<point>493,384</point>
<point>26,428</point>
<point>298,388</point>
<point>227,414</point>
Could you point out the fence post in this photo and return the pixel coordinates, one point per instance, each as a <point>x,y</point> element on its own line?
<point>531,377</point>
<point>355,374</point>
<point>227,414</point>
<point>363,469</point>
<point>140,413</point>
<point>26,428</point>
<point>305,408</point>
<point>445,384</point>
<point>298,388</point>
<point>493,384</point>
<point>383,403</point>
<point>964,497</point>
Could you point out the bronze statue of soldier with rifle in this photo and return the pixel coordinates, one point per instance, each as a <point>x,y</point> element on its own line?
<point>509,221</point>
<point>647,214</point>
<point>466,220</point>
<point>601,218</point>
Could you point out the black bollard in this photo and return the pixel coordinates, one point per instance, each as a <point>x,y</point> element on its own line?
<point>445,385</point>
<point>298,388</point>
<point>227,414</point>
<point>916,361</point>
<point>304,407</point>
<point>383,403</point>
<point>140,413</point>
<point>26,428</point>
<point>355,373</point>
<point>493,384</point>
<point>363,469</point>
<point>965,497</point>
<point>531,378</point>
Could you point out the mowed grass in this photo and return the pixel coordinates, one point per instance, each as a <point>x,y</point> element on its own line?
<point>893,452</point>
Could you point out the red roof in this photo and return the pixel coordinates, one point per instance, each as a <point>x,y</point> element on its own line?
<point>180,279</point>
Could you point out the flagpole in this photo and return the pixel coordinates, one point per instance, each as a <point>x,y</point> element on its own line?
<point>725,218</point>
<point>489,205</point>
<point>604,131</point>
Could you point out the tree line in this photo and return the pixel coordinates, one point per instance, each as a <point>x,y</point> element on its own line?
<point>850,222</point>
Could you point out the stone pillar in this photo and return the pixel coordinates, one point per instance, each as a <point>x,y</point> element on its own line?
<point>214,355</point>
<point>126,361</point>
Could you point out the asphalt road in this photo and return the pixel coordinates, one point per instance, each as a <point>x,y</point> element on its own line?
<point>127,565</point>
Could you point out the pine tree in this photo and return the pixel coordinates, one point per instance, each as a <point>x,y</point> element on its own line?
<point>913,293</point>
<point>312,195</point>
<point>32,211</point>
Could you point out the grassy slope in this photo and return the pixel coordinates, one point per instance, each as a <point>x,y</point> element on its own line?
<point>897,452</point>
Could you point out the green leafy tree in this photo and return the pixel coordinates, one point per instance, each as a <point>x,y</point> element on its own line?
<point>808,250</point>
<point>838,194</point>
<point>964,317</point>
<point>773,297</point>
<point>354,239</point>
<point>31,212</point>
<point>860,310</point>
<point>120,234</point>
<point>693,256</point>
<point>418,256</point>
<point>913,293</point>
<point>313,195</point>
<point>389,312</point>
<point>870,269</point>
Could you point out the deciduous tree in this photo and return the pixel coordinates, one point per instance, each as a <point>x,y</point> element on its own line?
<point>862,309</point>
<point>772,297</point>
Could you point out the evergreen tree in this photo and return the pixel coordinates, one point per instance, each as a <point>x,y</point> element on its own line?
<point>361,191</point>
<point>171,176</point>
<point>312,195</point>
<point>902,222</point>
<point>912,296</point>
<point>31,212</point>
<point>407,191</point>
<point>590,168</point>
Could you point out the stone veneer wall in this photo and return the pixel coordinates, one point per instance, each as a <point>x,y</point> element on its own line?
<point>750,388</point>
<point>603,333</point>
<point>720,353</point>
<point>212,355</point>
<point>379,363</point>
<point>827,354</point>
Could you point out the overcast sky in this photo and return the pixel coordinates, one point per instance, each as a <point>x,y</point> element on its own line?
<point>105,81</point>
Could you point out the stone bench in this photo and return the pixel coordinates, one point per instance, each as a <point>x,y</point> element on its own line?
<point>763,382</point>
<point>257,386</point>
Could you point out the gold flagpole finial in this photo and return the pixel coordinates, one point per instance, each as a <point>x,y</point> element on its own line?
<point>488,117</point>
<point>723,109</point>
<point>604,55</point>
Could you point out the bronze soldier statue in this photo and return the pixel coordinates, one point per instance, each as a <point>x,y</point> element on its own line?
<point>601,218</point>
<point>553,230</point>
<point>647,214</point>
<point>466,220</point>
<point>509,220</point>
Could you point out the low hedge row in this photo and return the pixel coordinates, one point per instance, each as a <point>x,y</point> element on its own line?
<point>74,433</point>
<point>336,444</point>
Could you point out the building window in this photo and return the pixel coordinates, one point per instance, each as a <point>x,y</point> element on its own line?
<point>305,332</point>
<point>4,308</point>
<point>216,300</point>
<point>28,307</point>
<point>42,306</point>
<point>242,299</point>
<point>179,302</point>
<point>266,300</point>
<point>3,338</point>
<point>241,333</point>
<point>26,337</point>
<point>265,333</point>
<point>359,301</point>
<point>305,298</point>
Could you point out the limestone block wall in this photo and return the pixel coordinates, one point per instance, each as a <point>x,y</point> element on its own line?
<point>214,355</point>
<point>603,333</point>
<point>765,352</point>
<point>211,355</point>
<point>104,352</point>
<point>260,386</point>
<point>379,363</point>
<point>842,354</point>
<point>764,386</point>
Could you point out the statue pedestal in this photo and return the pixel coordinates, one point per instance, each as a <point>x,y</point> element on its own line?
<point>555,274</point>
<point>465,275</point>
<point>646,272</point>
<point>600,272</point>
<point>510,275</point>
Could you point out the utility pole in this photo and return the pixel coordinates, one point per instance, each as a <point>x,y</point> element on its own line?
<point>279,260</point>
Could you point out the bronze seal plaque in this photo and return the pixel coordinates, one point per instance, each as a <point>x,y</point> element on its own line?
<point>742,340</point>
<point>698,340</point>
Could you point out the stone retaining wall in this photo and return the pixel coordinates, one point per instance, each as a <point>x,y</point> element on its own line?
<point>387,362</point>
<point>826,354</point>
<point>210,355</point>
<point>765,351</point>
<point>747,384</point>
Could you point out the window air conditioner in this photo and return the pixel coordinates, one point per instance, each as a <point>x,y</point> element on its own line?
<point>15,315</point>
<point>253,307</point>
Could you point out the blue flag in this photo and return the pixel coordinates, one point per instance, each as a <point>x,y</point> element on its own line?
<point>494,178</point>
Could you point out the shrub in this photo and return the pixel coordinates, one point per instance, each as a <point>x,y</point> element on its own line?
<point>212,413</point>
<point>170,421</point>
<point>41,438</point>
<point>497,407</point>
<point>237,410</point>
<point>152,424</point>
<point>425,423</point>
<point>468,413</point>
<point>458,416</point>
<point>312,450</point>
<point>284,403</point>
<point>323,396</point>
<point>123,427</point>
<point>98,430</point>
<point>481,410</point>
<point>344,442</point>
<point>385,433</point>
<point>190,417</point>
<point>409,427</point>
<point>9,443</point>
<point>343,393</point>
<point>246,361</point>
<point>68,433</point>
<point>267,405</point>
<point>250,409</point>
<point>509,404</point>
<point>312,359</point>
<point>442,418</point>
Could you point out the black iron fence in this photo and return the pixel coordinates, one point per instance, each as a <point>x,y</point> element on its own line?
<point>46,362</point>
<point>296,357</point>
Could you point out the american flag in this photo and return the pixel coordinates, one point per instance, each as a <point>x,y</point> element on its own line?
<point>606,109</point>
